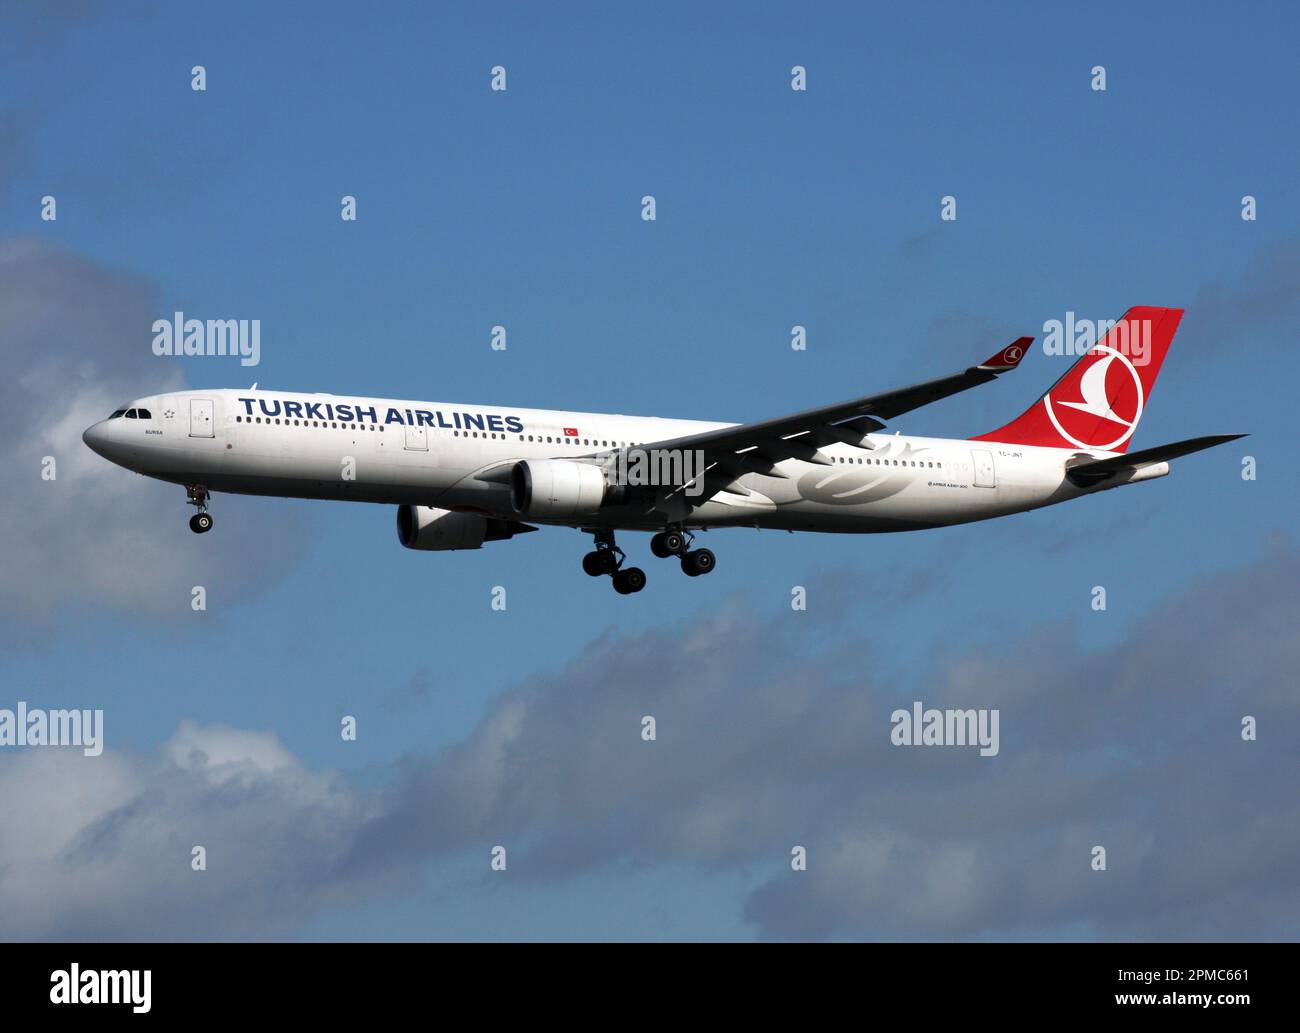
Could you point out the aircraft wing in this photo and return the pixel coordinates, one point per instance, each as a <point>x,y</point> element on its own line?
<point>758,447</point>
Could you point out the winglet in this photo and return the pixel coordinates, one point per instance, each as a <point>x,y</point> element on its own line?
<point>1008,358</point>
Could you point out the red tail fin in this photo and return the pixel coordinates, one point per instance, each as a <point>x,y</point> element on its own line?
<point>1098,403</point>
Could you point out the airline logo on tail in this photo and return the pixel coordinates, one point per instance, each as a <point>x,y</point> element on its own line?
<point>1104,397</point>
<point>1097,404</point>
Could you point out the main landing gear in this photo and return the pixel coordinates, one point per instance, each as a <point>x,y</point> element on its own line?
<point>201,521</point>
<point>607,558</point>
<point>678,543</point>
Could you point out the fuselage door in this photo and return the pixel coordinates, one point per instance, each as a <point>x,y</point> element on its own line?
<point>417,438</point>
<point>201,417</point>
<point>984,474</point>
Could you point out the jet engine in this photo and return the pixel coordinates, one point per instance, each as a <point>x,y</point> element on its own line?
<point>558,489</point>
<point>438,530</point>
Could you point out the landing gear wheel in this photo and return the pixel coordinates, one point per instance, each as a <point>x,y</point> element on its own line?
<point>605,562</point>
<point>697,562</point>
<point>668,543</point>
<point>200,523</point>
<point>629,580</point>
<point>593,564</point>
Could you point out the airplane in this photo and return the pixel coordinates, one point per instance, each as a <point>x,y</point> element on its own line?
<point>464,475</point>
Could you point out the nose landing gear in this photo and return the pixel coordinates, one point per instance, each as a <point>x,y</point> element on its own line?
<point>607,558</point>
<point>200,522</point>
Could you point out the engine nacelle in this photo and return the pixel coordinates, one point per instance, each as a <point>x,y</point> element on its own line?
<point>439,530</point>
<point>556,489</point>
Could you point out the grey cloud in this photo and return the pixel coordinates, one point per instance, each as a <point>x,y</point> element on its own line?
<point>16,130</point>
<point>76,344</point>
<point>1266,300</point>
<point>1220,314</point>
<point>32,36</point>
<point>959,337</point>
<point>773,730</point>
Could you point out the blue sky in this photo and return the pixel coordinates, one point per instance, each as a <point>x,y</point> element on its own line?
<point>522,208</point>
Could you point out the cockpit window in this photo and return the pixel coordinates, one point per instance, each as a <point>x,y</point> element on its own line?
<point>131,414</point>
<point>145,414</point>
<point>117,413</point>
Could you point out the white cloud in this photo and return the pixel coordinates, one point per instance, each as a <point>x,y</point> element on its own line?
<point>100,848</point>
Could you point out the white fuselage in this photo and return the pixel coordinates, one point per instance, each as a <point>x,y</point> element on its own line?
<point>454,456</point>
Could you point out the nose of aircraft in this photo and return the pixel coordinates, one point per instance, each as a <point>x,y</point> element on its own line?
<point>96,437</point>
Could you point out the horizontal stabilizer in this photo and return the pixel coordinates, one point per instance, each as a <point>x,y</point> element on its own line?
<point>1089,471</point>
